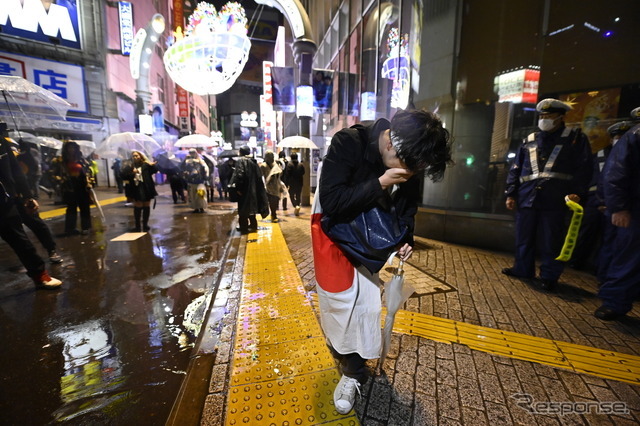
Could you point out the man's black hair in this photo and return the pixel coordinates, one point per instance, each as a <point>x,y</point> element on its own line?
<point>294,156</point>
<point>424,142</point>
<point>245,150</point>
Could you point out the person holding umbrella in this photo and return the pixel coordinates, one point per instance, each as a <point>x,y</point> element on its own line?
<point>366,165</point>
<point>143,189</point>
<point>13,185</point>
<point>73,173</point>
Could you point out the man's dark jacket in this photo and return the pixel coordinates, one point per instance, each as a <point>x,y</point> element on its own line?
<point>248,180</point>
<point>349,181</point>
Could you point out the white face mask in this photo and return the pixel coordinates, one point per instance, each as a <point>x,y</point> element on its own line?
<point>546,124</point>
<point>615,141</point>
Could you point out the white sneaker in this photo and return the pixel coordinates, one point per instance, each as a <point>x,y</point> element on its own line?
<point>297,211</point>
<point>344,396</point>
<point>44,280</point>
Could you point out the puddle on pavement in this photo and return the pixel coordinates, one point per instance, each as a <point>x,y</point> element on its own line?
<point>113,345</point>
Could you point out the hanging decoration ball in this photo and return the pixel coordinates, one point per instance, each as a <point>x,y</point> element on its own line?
<point>208,57</point>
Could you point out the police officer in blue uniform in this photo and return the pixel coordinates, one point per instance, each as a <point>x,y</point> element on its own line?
<point>586,252</point>
<point>607,230</point>
<point>621,185</point>
<point>550,164</point>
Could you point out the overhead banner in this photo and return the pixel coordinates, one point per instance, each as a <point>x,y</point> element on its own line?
<point>284,91</point>
<point>125,16</point>
<point>322,90</point>
<point>52,23</point>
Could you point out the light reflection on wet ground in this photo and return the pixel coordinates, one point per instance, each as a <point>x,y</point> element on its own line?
<point>110,347</point>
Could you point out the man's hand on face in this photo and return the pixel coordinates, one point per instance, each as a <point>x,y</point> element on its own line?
<point>394,176</point>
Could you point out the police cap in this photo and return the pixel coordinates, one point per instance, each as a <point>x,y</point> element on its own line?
<point>619,128</point>
<point>635,113</point>
<point>552,106</point>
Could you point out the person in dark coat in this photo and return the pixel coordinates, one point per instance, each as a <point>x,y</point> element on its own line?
<point>550,164</point>
<point>587,251</point>
<point>14,189</point>
<point>621,286</point>
<point>143,188</point>
<point>73,173</point>
<point>225,171</point>
<point>366,166</point>
<point>252,196</point>
<point>116,167</point>
<point>294,176</point>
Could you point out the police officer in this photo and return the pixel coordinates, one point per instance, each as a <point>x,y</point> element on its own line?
<point>607,230</point>
<point>551,164</point>
<point>621,186</point>
<point>593,221</point>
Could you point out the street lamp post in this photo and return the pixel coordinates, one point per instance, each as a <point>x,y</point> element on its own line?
<point>140,58</point>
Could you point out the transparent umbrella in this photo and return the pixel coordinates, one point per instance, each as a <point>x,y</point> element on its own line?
<point>45,141</point>
<point>27,104</point>
<point>396,292</point>
<point>195,141</point>
<point>86,147</point>
<point>125,142</point>
<point>297,142</point>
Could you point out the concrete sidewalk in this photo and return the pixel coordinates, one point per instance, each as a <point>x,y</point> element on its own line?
<point>442,381</point>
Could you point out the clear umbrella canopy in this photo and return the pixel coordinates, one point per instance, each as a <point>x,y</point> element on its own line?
<point>297,142</point>
<point>195,141</point>
<point>24,104</point>
<point>121,145</point>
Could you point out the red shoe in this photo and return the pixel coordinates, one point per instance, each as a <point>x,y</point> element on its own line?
<point>44,280</point>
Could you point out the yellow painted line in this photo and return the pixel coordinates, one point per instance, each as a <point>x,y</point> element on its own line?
<point>282,371</point>
<point>61,211</point>
<point>581,359</point>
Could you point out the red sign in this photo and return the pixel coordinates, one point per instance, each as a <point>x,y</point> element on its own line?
<point>183,102</point>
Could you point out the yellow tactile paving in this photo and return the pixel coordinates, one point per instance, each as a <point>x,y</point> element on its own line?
<point>282,372</point>
<point>581,359</point>
<point>59,212</point>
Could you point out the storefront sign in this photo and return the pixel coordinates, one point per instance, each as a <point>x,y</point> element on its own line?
<point>65,80</point>
<point>519,86</point>
<point>57,24</point>
<point>125,14</point>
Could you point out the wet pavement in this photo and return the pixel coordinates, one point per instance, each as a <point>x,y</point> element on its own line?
<point>113,345</point>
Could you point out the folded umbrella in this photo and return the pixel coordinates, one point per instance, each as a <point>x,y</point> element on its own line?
<point>94,198</point>
<point>396,292</point>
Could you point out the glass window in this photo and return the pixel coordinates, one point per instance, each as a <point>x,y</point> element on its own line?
<point>344,21</point>
<point>355,13</point>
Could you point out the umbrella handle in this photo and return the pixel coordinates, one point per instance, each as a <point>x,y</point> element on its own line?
<point>4,94</point>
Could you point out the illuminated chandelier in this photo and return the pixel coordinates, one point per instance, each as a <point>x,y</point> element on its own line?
<point>396,68</point>
<point>214,49</point>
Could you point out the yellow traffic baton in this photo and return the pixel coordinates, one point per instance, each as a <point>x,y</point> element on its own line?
<point>572,234</point>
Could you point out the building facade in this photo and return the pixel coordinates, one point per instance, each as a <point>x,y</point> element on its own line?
<point>482,65</point>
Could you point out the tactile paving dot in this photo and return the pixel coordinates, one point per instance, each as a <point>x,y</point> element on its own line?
<point>277,330</point>
<point>253,363</point>
<point>274,307</point>
<point>302,400</point>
